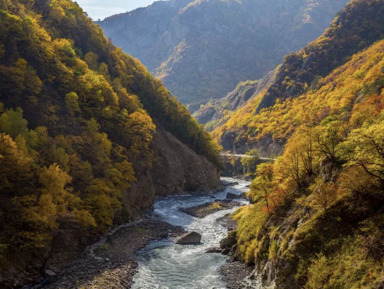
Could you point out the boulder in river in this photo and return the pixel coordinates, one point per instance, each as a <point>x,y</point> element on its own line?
<point>189,238</point>
<point>232,196</point>
<point>213,250</point>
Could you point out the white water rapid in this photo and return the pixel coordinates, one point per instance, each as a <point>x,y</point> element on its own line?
<point>165,265</point>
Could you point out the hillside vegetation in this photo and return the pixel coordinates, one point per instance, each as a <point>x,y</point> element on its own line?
<point>81,124</point>
<point>260,121</point>
<point>217,112</point>
<point>316,218</point>
<point>202,49</point>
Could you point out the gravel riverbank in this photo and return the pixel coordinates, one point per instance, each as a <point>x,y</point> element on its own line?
<point>110,263</point>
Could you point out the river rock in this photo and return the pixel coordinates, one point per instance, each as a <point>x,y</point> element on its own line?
<point>50,273</point>
<point>227,222</point>
<point>213,250</point>
<point>227,243</point>
<point>189,238</point>
<point>232,196</point>
<point>229,184</point>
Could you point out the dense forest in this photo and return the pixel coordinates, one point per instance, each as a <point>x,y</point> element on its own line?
<point>202,49</point>
<point>351,31</point>
<point>78,122</point>
<point>316,218</point>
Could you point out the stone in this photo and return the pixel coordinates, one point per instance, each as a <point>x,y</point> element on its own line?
<point>232,196</point>
<point>230,184</point>
<point>189,238</point>
<point>227,243</point>
<point>50,273</point>
<point>213,250</point>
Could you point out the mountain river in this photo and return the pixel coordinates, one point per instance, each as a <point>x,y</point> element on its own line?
<point>165,265</point>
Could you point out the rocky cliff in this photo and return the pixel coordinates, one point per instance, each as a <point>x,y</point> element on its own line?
<point>176,169</point>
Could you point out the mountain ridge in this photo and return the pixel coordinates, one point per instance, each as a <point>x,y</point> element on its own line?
<point>296,75</point>
<point>203,49</point>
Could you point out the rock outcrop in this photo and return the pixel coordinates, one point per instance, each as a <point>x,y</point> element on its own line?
<point>176,169</point>
<point>228,243</point>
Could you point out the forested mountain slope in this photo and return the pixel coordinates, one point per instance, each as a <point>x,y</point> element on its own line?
<point>259,122</point>
<point>316,218</point>
<point>216,112</point>
<point>87,136</point>
<point>202,49</point>
<point>317,215</point>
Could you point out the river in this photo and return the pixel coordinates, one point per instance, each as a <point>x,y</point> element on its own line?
<point>165,265</point>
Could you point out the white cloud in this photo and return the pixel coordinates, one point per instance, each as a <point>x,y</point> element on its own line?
<point>99,9</point>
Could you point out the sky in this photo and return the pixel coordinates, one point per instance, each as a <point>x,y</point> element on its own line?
<point>99,9</point>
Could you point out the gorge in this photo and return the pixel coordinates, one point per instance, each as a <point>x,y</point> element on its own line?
<point>102,168</point>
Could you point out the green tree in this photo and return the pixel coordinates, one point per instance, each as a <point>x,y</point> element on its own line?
<point>250,161</point>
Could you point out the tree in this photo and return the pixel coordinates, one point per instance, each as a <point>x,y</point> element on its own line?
<point>13,123</point>
<point>365,148</point>
<point>250,161</point>
<point>263,185</point>
<point>327,139</point>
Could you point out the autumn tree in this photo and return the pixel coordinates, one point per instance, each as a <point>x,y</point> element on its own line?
<point>263,185</point>
<point>365,148</point>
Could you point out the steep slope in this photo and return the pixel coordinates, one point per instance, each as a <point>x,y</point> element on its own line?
<point>257,124</point>
<point>317,215</point>
<point>88,137</point>
<point>202,49</point>
<point>216,112</point>
<point>316,218</point>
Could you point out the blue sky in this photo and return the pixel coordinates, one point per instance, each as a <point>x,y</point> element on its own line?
<point>99,9</point>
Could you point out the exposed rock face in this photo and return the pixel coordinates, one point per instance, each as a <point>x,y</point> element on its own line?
<point>189,238</point>
<point>176,169</point>
<point>202,49</point>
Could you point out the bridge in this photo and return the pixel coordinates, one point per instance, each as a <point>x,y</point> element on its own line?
<point>246,156</point>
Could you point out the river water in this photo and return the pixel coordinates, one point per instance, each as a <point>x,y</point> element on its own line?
<point>165,265</point>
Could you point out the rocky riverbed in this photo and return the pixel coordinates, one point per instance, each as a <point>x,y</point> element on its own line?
<point>116,261</point>
<point>110,263</point>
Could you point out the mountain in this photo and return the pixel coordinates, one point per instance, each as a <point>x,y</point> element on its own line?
<point>316,213</point>
<point>262,122</point>
<point>216,112</point>
<point>88,138</point>
<point>202,49</point>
